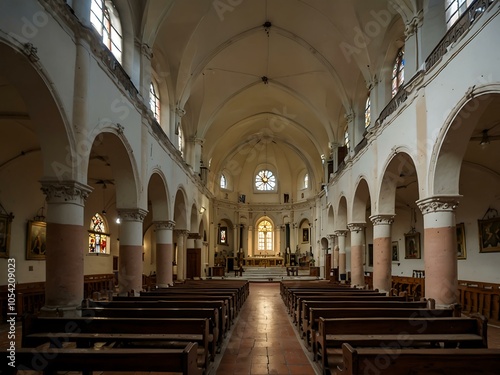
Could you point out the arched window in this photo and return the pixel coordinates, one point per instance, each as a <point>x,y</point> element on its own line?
<point>265,236</point>
<point>398,72</point>
<point>265,180</point>
<point>346,138</point>
<point>368,118</point>
<point>223,182</point>
<point>454,9</point>
<point>180,141</point>
<point>306,181</point>
<point>98,235</point>
<point>154,101</point>
<point>104,17</point>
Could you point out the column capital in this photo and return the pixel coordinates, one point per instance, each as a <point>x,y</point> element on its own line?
<point>194,236</point>
<point>132,214</point>
<point>164,225</point>
<point>356,227</point>
<point>180,111</point>
<point>330,236</point>
<point>65,191</point>
<point>382,219</point>
<point>438,203</point>
<point>349,117</point>
<point>182,232</point>
<point>340,233</point>
<point>413,24</point>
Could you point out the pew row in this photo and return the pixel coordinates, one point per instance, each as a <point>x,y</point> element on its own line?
<point>119,332</point>
<point>394,312</point>
<point>51,360</point>
<point>209,313</point>
<point>398,333</point>
<point>391,361</point>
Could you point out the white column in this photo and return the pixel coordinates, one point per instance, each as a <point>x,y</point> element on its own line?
<point>251,250</point>
<point>357,250</point>
<point>164,253</point>
<point>181,254</point>
<point>382,252</point>
<point>66,240</point>
<point>341,234</point>
<point>131,249</point>
<point>440,248</point>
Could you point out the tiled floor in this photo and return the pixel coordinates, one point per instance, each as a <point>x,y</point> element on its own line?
<point>263,341</point>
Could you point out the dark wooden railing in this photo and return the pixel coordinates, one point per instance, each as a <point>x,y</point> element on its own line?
<point>482,298</point>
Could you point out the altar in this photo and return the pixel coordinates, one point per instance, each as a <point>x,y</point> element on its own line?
<point>260,261</point>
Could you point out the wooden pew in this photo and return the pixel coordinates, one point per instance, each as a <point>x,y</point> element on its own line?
<point>86,331</point>
<point>394,312</point>
<point>50,360</point>
<point>307,306</point>
<point>295,296</point>
<point>221,306</point>
<point>228,300</point>
<point>385,361</point>
<point>299,309</point>
<point>209,313</point>
<point>398,333</point>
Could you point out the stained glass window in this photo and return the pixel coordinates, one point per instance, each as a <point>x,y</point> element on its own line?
<point>154,101</point>
<point>180,141</point>
<point>398,72</point>
<point>265,180</point>
<point>98,238</point>
<point>306,181</point>
<point>104,18</point>
<point>265,236</point>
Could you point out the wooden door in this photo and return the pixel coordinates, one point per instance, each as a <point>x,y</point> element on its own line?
<point>193,266</point>
<point>328,266</point>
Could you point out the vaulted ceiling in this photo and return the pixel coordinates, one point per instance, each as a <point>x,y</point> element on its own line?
<point>280,70</point>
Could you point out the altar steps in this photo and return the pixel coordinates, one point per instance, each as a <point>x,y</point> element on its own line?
<point>268,274</point>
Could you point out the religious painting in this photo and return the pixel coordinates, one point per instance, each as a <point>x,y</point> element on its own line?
<point>395,251</point>
<point>412,245</point>
<point>36,241</point>
<point>223,235</point>
<point>5,221</point>
<point>489,235</point>
<point>461,254</point>
<point>305,235</point>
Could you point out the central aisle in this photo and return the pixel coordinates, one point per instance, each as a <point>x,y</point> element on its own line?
<point>263,341</point>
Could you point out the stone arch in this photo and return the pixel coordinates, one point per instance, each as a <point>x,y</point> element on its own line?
<point>399,172</point>
<point>361,199</point>
<point>452,142</point>
<point>158,196</point>
<point>341,219</point>
<point>180,210</point>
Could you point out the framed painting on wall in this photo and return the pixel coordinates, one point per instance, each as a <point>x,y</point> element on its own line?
<point>489,235</point>
<point>305,235</point>
<point>5,221</point>
<point>461,250</point>
<point>395,251</point>
<point>36,242</point>
<point>412,245</point>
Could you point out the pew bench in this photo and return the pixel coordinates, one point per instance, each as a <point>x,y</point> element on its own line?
<point>119,332</point>
<point>386,361</point>
<point>319,306</point>
<point>298,314</point>
<point>315,314</point>
<point>224,318</point>
<point>397,332</point>
<point>51,360</point>
<point>209,313</point>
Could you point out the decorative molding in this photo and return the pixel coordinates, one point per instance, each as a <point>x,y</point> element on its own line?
<point>349,117</point>
<point>382,219</point>
<point>441,203</point>
<point>194,236</point>
<point>30,51</point>
<point>132,214</point>
<point>340,233</point>
<point>65,191</point>
<point>180,111</point>
<point>413,25</point>
<point>164,225</point>
<point>356,227</point>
